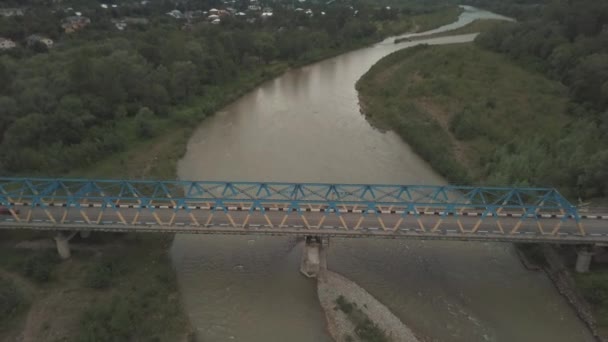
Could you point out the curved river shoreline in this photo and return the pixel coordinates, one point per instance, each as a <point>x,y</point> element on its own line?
<point>305,126</point>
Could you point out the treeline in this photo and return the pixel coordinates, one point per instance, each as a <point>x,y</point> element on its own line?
<point>568,42</point>
<point>100,89</point>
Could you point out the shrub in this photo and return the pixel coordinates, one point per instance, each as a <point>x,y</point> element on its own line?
<point>101,273</point>
<point>464,125</point>
<point>10,298</point>
<point>110,322</point>
<point>594,287</point>
<point>370,332</point>
<point>344,305</point>
<point>39,266</point>
<point>145,123</point>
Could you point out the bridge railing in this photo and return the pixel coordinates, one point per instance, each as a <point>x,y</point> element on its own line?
<point>55,198</point>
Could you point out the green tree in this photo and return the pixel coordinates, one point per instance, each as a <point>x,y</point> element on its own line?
<point>184,81</point>
<point>144,123</point>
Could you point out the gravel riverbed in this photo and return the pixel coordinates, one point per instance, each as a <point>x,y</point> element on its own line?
<point>332,285</point>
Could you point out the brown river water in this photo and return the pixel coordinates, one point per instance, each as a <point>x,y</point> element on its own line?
<point>305,126</point>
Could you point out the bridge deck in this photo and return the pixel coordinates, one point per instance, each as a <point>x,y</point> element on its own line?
<point>348,210</point>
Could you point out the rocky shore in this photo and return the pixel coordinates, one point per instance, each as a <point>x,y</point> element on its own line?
<point>564,283</point>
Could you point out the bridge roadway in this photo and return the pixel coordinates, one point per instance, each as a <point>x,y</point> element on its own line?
<point>467,225</point>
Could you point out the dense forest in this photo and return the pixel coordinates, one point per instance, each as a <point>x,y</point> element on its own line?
<point>567,42</point>
<point>65,107</point>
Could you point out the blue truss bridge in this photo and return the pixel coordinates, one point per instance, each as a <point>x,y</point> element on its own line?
<point>306,209</point>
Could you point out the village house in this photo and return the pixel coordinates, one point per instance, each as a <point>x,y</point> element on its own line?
<point>122,24</point>
<point>74,23</point>
<point>177,14</point>
<point>6,44</point>
<point>31,40</point>
<point>11,12</point>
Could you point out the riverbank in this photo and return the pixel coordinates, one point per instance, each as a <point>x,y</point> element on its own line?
<point>477,117</point>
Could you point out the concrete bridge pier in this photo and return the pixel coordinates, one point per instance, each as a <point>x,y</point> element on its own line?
<point>313,258</point>
<point>62,241</point>
<point>583,259</point>
<point>63,245</point>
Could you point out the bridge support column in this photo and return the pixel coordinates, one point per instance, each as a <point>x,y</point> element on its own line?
<point>583,260</point>
<point>311,257</point>
<point>63,245</point>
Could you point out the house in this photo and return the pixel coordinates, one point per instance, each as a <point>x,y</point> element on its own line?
<point>216,21</point>
<point>122,24</point>
<point>214,11</point>
<point>6,44</point>
<point>74,23</point>
<point>254,8</point>
<point>12,12</point>
<point>177,14</point>
<point>36,38</point>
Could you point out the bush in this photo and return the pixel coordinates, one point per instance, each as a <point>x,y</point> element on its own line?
<point>463,124</point>
<point>10,299</point>
<point>101,273</point>
<point>370,332</point>
<point>110,322</point>
<point>344,305</point>
<point>145,123</point>
<point>367,330</point>
<point>39,266</point>
<point>594,287</point>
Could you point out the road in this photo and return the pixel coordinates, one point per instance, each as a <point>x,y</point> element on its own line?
<point>315,220</point>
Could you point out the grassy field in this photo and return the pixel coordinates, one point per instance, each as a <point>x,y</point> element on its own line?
<point>460,106</point>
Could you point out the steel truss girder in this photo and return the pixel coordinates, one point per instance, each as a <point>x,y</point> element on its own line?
<point>299,198</point>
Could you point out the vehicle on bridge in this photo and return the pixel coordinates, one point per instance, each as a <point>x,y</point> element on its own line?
<point>7,211</point>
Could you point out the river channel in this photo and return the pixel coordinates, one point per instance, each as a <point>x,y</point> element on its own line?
<point>306,126</point>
